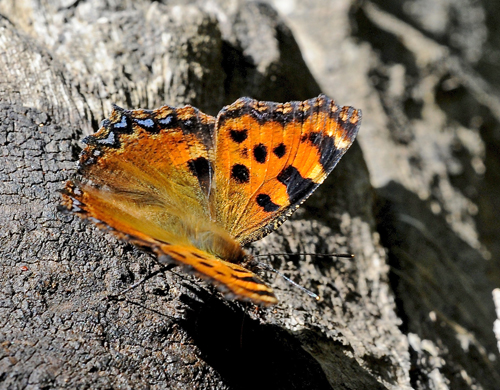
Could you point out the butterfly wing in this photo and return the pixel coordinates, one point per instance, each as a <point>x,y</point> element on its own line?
<point>147,177</point>
<point>270,157</point>
<point>161,159</point>
<point>113,213</point>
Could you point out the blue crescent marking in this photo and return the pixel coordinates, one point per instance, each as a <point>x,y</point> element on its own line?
<point>145,122</point>
<point>122,123</point>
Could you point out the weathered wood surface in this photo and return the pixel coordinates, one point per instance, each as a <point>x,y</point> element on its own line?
<point>423,183</point>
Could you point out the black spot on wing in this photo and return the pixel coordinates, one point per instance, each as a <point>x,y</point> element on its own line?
<point>240,173</point>
<point>262,292</point>
<point>329,154</point>
<point>326,148</point>
<point>206,264</point>
<point>280,150</point>
<point>190,125</point>
<point>200,167</point>
<point>177,254</point>
<point>260,153</point>
<point>315,138</point>
<point>241,271</point>
<point>205,132</point>
<point>264,201</point>
<point>251,279</point>
<point>297,187</point>
<point>193,125</point>
<point>238,136</point>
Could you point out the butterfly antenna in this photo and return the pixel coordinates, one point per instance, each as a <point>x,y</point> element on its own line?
<point>347,255</point>
<point>308,292</point>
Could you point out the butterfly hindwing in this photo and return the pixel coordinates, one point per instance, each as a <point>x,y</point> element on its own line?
<point>170,246</point>
<point>270,157</point>
<point>232,279</point>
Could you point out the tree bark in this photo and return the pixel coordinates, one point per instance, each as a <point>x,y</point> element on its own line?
<point>415,200</point>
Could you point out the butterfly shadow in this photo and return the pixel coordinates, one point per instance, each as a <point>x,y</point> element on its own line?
<point>249,354</point>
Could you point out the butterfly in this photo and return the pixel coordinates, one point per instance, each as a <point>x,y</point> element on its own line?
<point>194,188</point>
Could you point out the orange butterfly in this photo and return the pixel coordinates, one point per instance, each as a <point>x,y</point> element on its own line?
<point>194,189</point>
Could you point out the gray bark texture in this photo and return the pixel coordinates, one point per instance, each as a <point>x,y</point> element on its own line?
<point>416,199</point>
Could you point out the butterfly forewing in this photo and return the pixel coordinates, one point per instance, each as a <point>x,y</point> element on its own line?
<point>270,157</point>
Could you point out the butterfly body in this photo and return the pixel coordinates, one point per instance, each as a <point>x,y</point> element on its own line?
<point>194,189</point>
